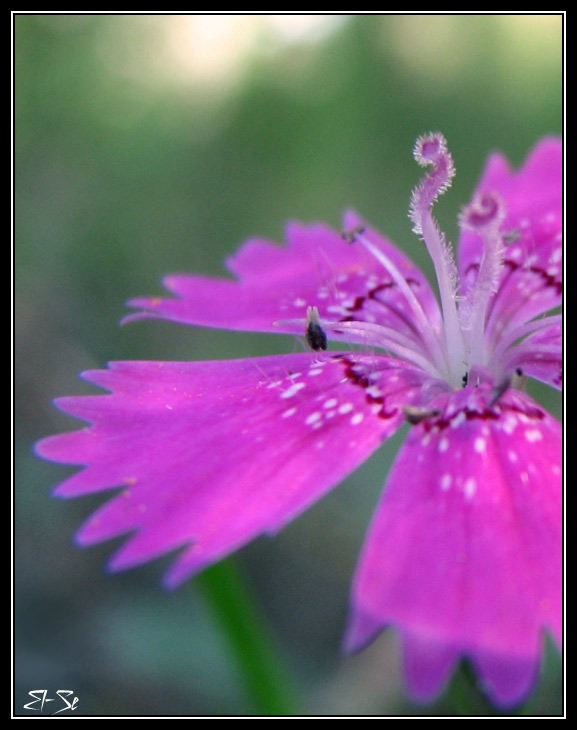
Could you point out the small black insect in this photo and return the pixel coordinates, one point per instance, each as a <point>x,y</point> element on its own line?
<point>418,415</point>
<point>499,391</point>
<point>315,335</point>
<point>512,237</point>
<point>350,236</point>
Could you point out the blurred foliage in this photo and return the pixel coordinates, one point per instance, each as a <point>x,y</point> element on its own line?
<point>148,144</point>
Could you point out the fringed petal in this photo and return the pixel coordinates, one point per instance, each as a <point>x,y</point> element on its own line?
<point>211,454</point>
<point>465,552</point>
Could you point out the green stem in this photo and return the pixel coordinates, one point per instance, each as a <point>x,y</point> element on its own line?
<point>258,662</point>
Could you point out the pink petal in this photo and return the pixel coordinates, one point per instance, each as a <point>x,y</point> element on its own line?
<point>507,680</point>
<point>531,283</point>
<point>532,277</point>
<point>465,554</point>
<point>532,193</point>
<point>541,356</point>
<point>212,454</point>
<point>428,665</point>
<point>318,268</point>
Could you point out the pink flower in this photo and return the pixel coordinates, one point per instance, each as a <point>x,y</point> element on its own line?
<point>464,553</point>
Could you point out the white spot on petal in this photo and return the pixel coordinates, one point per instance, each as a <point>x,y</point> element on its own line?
<point>357,418</point>
<point>509,424</point>
<point>288,413</point>
<point>533,435</point>
<point>480,445</point>
<point>335,309</point>
<point>443,444</point>
<point>345,408</point>
<point>374,391</point>
<point>458,420</point>
<point>446,481</point>
<point>313,417</point>
<point>470,487</point>
<point>293,390</point>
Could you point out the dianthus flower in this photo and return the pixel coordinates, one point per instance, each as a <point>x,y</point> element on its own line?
<point>464,556</point>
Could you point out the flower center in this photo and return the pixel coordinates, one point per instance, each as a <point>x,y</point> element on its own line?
<point>459,345</point>
<point>457,340</point>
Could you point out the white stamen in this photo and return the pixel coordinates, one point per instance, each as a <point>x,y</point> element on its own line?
<point>428,331</point>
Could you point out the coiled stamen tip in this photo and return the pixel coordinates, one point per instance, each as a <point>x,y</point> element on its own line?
<point>430,148</point>
<point>486,210</point>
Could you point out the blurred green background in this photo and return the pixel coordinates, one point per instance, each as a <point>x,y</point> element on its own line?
<point>151,144</point>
